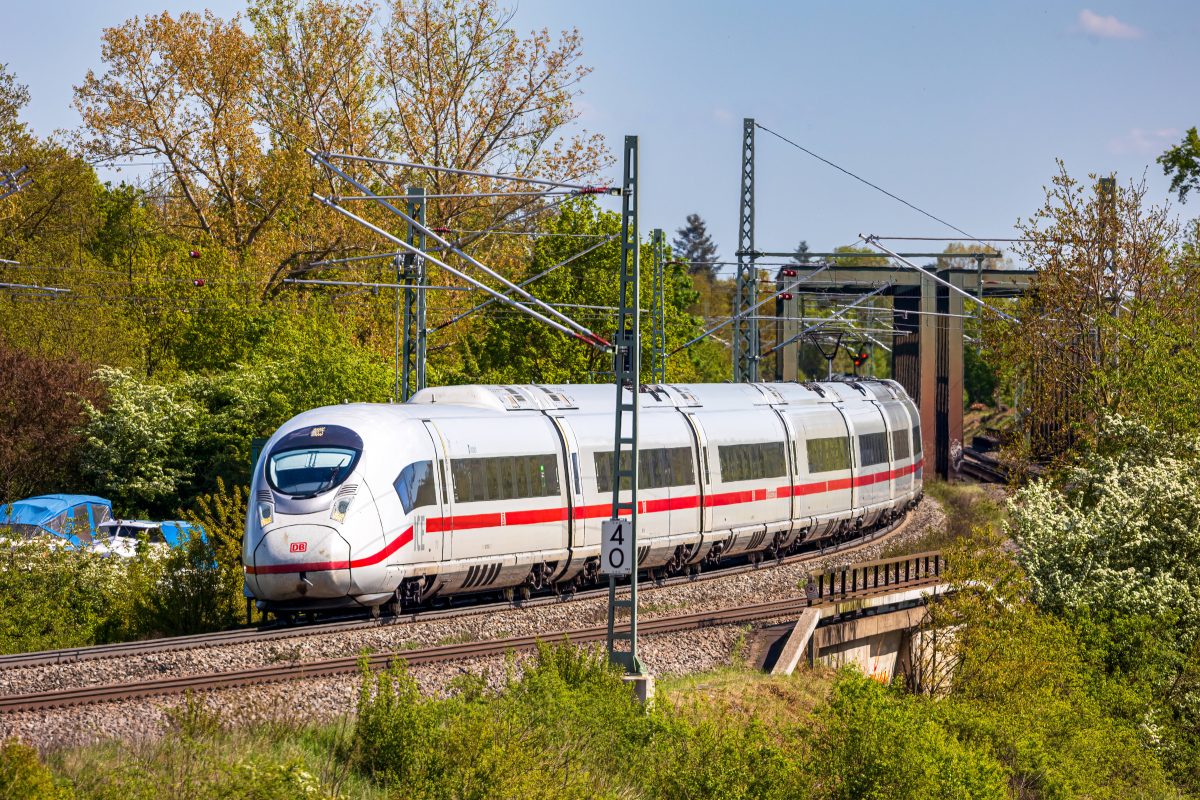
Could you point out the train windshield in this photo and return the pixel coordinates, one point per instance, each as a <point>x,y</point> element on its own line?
<point>310,471</point>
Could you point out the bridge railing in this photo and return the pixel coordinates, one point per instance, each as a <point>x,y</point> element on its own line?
<point>875,577</point>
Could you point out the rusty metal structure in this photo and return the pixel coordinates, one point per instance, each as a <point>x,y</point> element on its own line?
<point>927,335</point>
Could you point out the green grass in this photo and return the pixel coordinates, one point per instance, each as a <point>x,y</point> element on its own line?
<point>968,507</point>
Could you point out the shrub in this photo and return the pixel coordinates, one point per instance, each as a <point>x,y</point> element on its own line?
<point>568,727</point>
<point>55,597</point>
<point>874,742</point>
<point>24,777</point>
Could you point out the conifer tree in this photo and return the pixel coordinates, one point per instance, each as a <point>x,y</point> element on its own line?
<point>694,246</point>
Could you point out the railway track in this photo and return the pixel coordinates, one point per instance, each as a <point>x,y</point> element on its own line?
<point>277,632</point>
<point>854,582</point>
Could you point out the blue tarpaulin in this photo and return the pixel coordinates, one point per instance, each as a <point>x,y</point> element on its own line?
<point>74,517</point>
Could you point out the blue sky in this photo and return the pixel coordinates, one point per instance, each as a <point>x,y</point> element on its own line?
<point>959,107</point>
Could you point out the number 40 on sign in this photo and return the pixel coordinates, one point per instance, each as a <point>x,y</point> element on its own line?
<point>616,550</point>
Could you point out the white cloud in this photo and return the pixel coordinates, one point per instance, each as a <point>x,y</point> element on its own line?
<point>722,115</point>
<point>1107,27</point>
<point>1144,141</point>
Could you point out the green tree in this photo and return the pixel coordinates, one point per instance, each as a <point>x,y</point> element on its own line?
<point>1094,336</point>
<point>517,348</point>
<point>800,254</point>
<point>859,257</point>
<point>1182,164</point>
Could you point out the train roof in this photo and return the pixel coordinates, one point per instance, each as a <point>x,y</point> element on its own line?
<point>592,398</point>
<point>443,402</point>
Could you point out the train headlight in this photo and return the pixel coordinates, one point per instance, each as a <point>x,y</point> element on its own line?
<point>266,514</point>
<point>339,509</point>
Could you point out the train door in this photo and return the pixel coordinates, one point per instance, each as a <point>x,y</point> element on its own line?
<point>432,534</point>
<point>574,481</point>
<point>790,447</point>
<point>703,512</point>
<point>901,441</point>
<point>823,486</point>
<point>872,458</point>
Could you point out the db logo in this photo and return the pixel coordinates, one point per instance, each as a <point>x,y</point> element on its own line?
<point>298,547</point>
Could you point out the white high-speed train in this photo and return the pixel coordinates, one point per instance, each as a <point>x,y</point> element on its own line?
<point>483,488</point>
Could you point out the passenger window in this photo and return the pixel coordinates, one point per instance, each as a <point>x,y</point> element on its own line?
<point>749,462</point>
<point>504,478</point>
<point>828,454</point>
<point>916,439</point>
<point>414,486</point>
<point>872,449</point>
<point>900,443</point>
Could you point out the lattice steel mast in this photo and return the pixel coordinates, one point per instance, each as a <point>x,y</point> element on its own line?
<point>658,335</point>
<point>413,278</point>
<point>626,365</point>
<point>745,332</point>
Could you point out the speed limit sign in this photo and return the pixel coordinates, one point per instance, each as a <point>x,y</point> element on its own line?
<point>616,550</point>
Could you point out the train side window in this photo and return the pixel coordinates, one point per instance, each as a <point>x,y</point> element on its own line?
<point>414,486</point>
<point>604,472</point>
<point>680,459</point>
<point>873,449</point>
<point>546,475</point>
<point>749,462</point>
<point>828,454</point>
<point>900,443</point>
<point>504,478</point>
<point>916,439</point>
<point>496,487</point>
<point>651,471</point>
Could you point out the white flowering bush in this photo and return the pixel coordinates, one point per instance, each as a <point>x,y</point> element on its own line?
<point>137,450</point>
<point>1120,531</point>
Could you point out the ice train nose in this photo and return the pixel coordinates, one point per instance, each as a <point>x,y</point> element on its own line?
<point>300,561</point>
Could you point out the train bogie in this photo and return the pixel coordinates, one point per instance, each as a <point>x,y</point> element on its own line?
<point>503,488</point>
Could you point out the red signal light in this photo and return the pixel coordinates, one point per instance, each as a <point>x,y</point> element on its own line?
<point>861,357</point>
<point>785,295</point>
<point>789,273</point>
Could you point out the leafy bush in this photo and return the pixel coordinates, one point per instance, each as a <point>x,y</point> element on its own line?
<point>24,777</point>
<point>874,742</point>
<point>1112,545</point>
<point>138,449</point>
<point>567,728</point>
<point>54,597</point>
<point>57,597</point>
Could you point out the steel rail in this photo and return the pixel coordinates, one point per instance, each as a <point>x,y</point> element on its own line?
<point>275,632</point>
<point>277,673</point>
